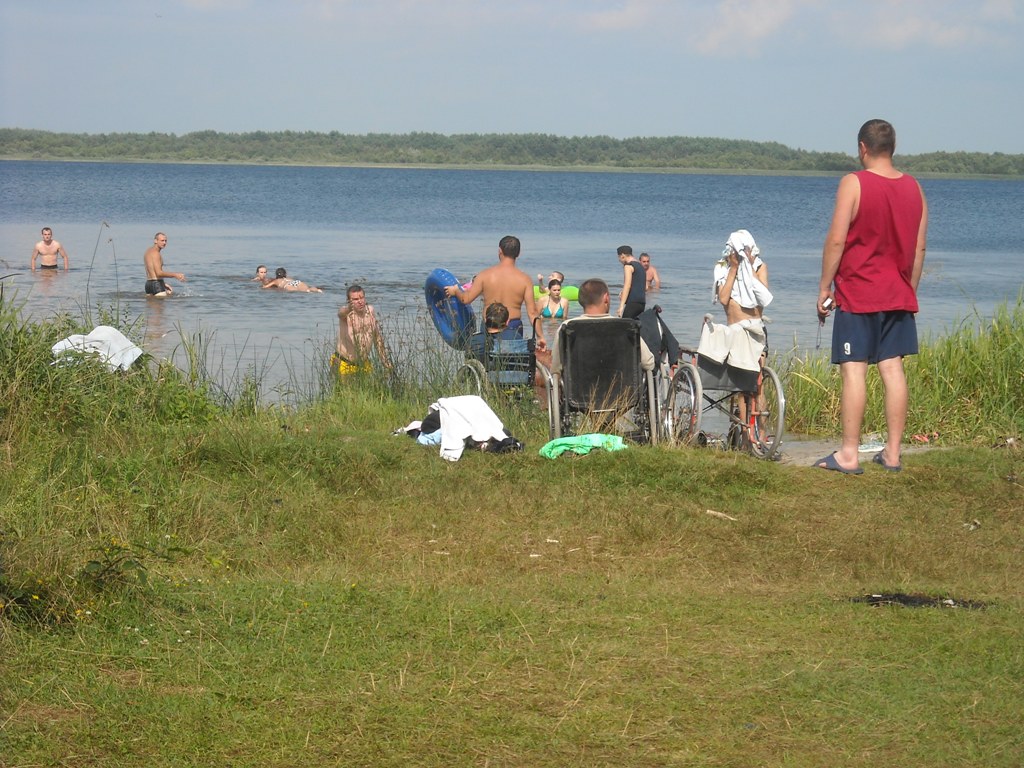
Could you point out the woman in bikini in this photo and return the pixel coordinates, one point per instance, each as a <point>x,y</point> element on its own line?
<point>552,310</point>
<point>285,283</point>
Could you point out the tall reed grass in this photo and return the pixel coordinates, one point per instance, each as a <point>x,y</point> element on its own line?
<point>967,386</point>
<point>90,457</point>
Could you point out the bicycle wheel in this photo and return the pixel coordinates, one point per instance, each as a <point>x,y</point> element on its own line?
<point>683,409</point>
<point>768,416</point>
<point>469,379</point>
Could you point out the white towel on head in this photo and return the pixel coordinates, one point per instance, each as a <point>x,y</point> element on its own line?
<point>747,290</point>
<point>741,239</point>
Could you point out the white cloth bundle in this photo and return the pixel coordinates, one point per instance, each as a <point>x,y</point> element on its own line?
<point>113,347</point>
<point>462,417</point>
<point>739,345</point>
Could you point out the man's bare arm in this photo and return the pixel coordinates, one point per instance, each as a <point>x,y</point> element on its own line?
<point>922,244</point>
<point>466,297</point>
<point>627,282</point>
<point>847,197</point>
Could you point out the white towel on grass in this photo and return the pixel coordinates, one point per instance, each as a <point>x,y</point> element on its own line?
<point>466,416</point>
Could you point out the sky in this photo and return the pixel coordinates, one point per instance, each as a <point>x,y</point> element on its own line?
<point>949,74</point>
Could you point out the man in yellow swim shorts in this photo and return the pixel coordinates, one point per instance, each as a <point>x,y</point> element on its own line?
<point>358,335</point>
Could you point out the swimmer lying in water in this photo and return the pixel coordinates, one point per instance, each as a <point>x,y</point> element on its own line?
<point>285,283</point>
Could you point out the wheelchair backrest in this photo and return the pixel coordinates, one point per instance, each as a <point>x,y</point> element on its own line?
<point>510,361</point>
<point>600,364</point>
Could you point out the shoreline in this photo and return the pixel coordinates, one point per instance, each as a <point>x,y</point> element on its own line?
<point>656,170</point>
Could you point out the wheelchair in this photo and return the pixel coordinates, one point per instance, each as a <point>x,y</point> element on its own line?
<point>601,386</point>
<point>752,402</point>
<point>497,363</point>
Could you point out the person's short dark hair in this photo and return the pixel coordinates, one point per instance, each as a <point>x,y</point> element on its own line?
<point>553,282</point>
<point>510,246</point>
<point>353,289</point>
<point>625,249</point>
<point>592,291</point>
<point>496,315</point>
<point>879,137</point>
<point>644,255</point>
<point>44,230</point>
<point>260,266</point>
<point>280,272</point>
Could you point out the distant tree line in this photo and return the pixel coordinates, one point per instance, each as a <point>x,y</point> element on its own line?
<point>474,149</point>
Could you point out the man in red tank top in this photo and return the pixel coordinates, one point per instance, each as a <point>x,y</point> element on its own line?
<point>870,267</point>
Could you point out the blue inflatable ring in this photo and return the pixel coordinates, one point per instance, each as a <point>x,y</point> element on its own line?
<point>453,319</point>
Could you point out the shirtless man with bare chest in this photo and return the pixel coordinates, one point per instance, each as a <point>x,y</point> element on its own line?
<point>155,272</point>
<point>358,335</point>
<point>47,250</point>
<point>503,283</point>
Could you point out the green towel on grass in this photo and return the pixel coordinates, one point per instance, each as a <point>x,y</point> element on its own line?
<point>581,444</point>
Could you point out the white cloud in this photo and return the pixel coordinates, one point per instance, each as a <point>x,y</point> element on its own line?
<point>902,25</point>
<point>739,25</point>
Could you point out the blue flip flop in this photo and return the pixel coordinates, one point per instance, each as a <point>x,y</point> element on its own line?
<point>829,462</point>
<point>880,460</point>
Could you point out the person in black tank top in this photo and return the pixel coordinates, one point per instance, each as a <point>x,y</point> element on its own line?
<point>633,299</point>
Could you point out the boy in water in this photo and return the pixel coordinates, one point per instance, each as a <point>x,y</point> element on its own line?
<point>47,250</point>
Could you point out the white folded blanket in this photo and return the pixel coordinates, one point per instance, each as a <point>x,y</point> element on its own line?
<point>113,347</point>
<point>739,345</point>
<point>462,417</point>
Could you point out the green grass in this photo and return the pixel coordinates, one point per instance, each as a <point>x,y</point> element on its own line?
<point>190,582</point>
<point>966,385</point>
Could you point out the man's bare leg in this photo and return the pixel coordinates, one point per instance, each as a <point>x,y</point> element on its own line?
<point>896,399</point>
<point>852,403</point>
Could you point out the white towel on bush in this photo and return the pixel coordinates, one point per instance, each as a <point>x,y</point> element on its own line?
<point>113,347</point>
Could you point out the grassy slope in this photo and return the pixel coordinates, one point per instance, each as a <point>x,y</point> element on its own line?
<point>333,595</point>
<point>349,598</point>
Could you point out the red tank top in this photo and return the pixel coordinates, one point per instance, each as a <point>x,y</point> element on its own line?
<point>878,259</point>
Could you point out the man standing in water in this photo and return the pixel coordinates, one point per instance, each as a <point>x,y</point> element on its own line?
<point>155,274</point>
<point>504,283</point>
<point>358,334</point>
<point>870,268</point>
<point>48,250</point>
<point>653,278</point>
<point>633,298</point>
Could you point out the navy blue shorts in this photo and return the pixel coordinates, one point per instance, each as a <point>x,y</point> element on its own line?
<point>873,336</point>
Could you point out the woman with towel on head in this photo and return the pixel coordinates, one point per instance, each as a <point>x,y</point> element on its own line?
<point>741,279</point>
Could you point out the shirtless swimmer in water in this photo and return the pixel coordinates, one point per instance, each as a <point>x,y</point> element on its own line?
<point>155,273</point>
<point>285,283</point>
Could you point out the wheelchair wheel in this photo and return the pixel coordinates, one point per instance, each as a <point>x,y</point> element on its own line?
<point>681,419</point>
<point>470,378</point>
<point>768,417</point>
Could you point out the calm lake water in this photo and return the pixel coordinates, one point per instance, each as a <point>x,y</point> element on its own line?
<point>387,228</point>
